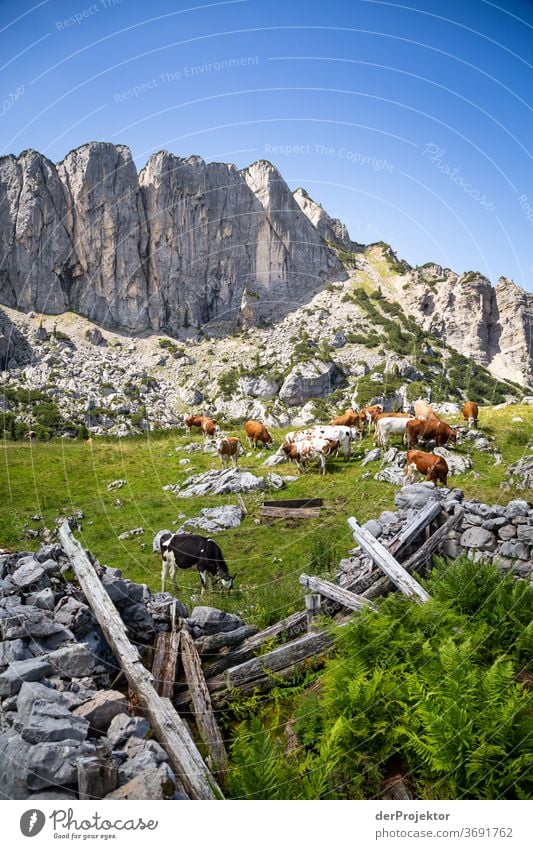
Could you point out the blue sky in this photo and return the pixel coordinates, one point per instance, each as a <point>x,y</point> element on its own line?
<point>410,121</point>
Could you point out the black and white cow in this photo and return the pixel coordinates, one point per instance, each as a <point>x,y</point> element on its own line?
<point>184,551</point>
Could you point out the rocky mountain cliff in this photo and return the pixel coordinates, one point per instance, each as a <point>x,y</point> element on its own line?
<point>185,246</point>
<point>179,245</point>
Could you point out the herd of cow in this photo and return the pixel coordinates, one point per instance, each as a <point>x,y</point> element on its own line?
<point>185,551</point>
<point>319,442</point>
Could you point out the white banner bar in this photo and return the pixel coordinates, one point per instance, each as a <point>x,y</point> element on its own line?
<point>276,825</point>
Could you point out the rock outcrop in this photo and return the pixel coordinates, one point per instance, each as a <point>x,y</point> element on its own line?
<point>177,246</point>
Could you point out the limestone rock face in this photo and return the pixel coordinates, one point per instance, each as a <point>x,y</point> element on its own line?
<point>493,325</point>
<point>182,244</point>
<point>329,228</point>
<point>313,379</point>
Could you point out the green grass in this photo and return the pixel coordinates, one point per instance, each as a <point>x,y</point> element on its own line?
<point>57,477</point>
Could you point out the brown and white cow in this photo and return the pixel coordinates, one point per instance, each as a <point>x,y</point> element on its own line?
<point>229,448</point>
<point>348,419</point>
<point>210,428</point>
<point>307,449</point>
<point>257,432</point>
<point>424,410</point>
<point>193,421</point>
<point>426,429</point>
<point>471,413</point>
<point>433,467</point>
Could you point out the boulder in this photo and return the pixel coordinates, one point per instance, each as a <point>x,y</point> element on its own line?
<point>518,507</point>
<point>36,691</point>
<point>11,650</point>
<point>189,397</point>
<point>210,620</point>
<point>123,726</point>
<point>135,532</point>
<point>51,723</point>
<point>30,573</point>
<point>72,661</point>
<point>457,464</point>
<point>28,621</point>
<point>213,519</point>
<point>478,537</point>
<point>371,456</point>
<point>312,379</point>
<point>74,615</point>
<point>258,387</point>
<point>221,482</point>
<point>515,550</point>
<point>373,527</point>
<point>507,532</point>
<point>525,534</point>
<point>42,599</point>
<point>160,606</point>
<point>416,495</point>
<point>18,671</point>
<point>155,783</point>
<point>101,709</point>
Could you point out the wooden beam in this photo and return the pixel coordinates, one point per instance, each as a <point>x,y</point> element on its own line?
<point>312,610</point>
<point>212,643</point>
<point>202,707</point>
<point>290,512</point>
<point>165,662</point>
<point>420,557</point>
<point>422,520</point>
<point>289,627</point>
<point>335,593</point>
<point>386,562</point>
<point>166,724</point>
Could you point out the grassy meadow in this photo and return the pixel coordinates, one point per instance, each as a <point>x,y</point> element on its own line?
<point>57,477</point>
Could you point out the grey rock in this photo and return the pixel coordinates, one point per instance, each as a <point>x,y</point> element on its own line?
<point>507,532</point>
<point>221,482</point>
<point>374,528</point>
<point>74,615</point>
<point>478,538</point>
<point>28,621</point>
<point>73,661</point>
<point>311,379</point>
<point>48,552</point>
<point>102,709</point>
<point>514,549</point>
<point>258,387</point>
<point>525,534</point>
<point>30,574</point>
<point>11,650</point>
<point>36,691</point>
<point>211,620</point>
<point>213,519</point>
<point>122,727</point>
<point>139,622</point>
<point>457,464</point>
<point>275,481</point>
<point>135,532</point>
<point>415,495</point>
<point>161,604</point>
<point>190,397</point>
<point>391,474</point>
<point>116,484</point>
<point>43,599</point>
<point>51,723</point>
<point>371,456</point>
<point>495,524</point>
<point>154,783</point>
<point>18,671</point>
<point>156,542</point>
<point>122,592</point>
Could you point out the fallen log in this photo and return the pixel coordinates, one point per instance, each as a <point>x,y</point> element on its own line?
<point>341,596</point>
<point>165,662</point>
<point>386,562</point>
<point>289,627</point>
<point>166,724</point>
<point>420,522</point>
<point>202,707</point>
<point>214,642</point>
<point>420,557</point>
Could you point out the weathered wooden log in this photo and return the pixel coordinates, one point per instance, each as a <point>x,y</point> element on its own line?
<point>341,596</point>
<point>421,557</point>
<point>281,658</point>
<point>290,512</point>
<point>166,724</point>
<point>289,627</point>
<point>214,642</point>
<point>165,662</point>
<point>379,554</point>
<point>312,610</point>
<point>394,788</point>
<point>420,522</point>
<point>202,707</point>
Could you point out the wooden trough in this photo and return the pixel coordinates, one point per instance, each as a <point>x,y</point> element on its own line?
<point>293,508</point>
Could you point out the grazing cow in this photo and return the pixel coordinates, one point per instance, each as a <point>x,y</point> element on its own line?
<point>209,428</point>
<point>423,410</point>
<point>309,448</point>
<point>434,468</point>
<point>342,435</point>
<point>423,429</point>
<point>389,426</point>
<point>193,421</point>
<point>31,435</point>
<point>184,551</point>
<point>257,432</point>
<point>348,419</point>
<point>470,413</point>
<point>229,448</point>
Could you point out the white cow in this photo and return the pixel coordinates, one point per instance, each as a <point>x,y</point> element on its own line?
<point>336,433</point>
<point>388,427</point>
